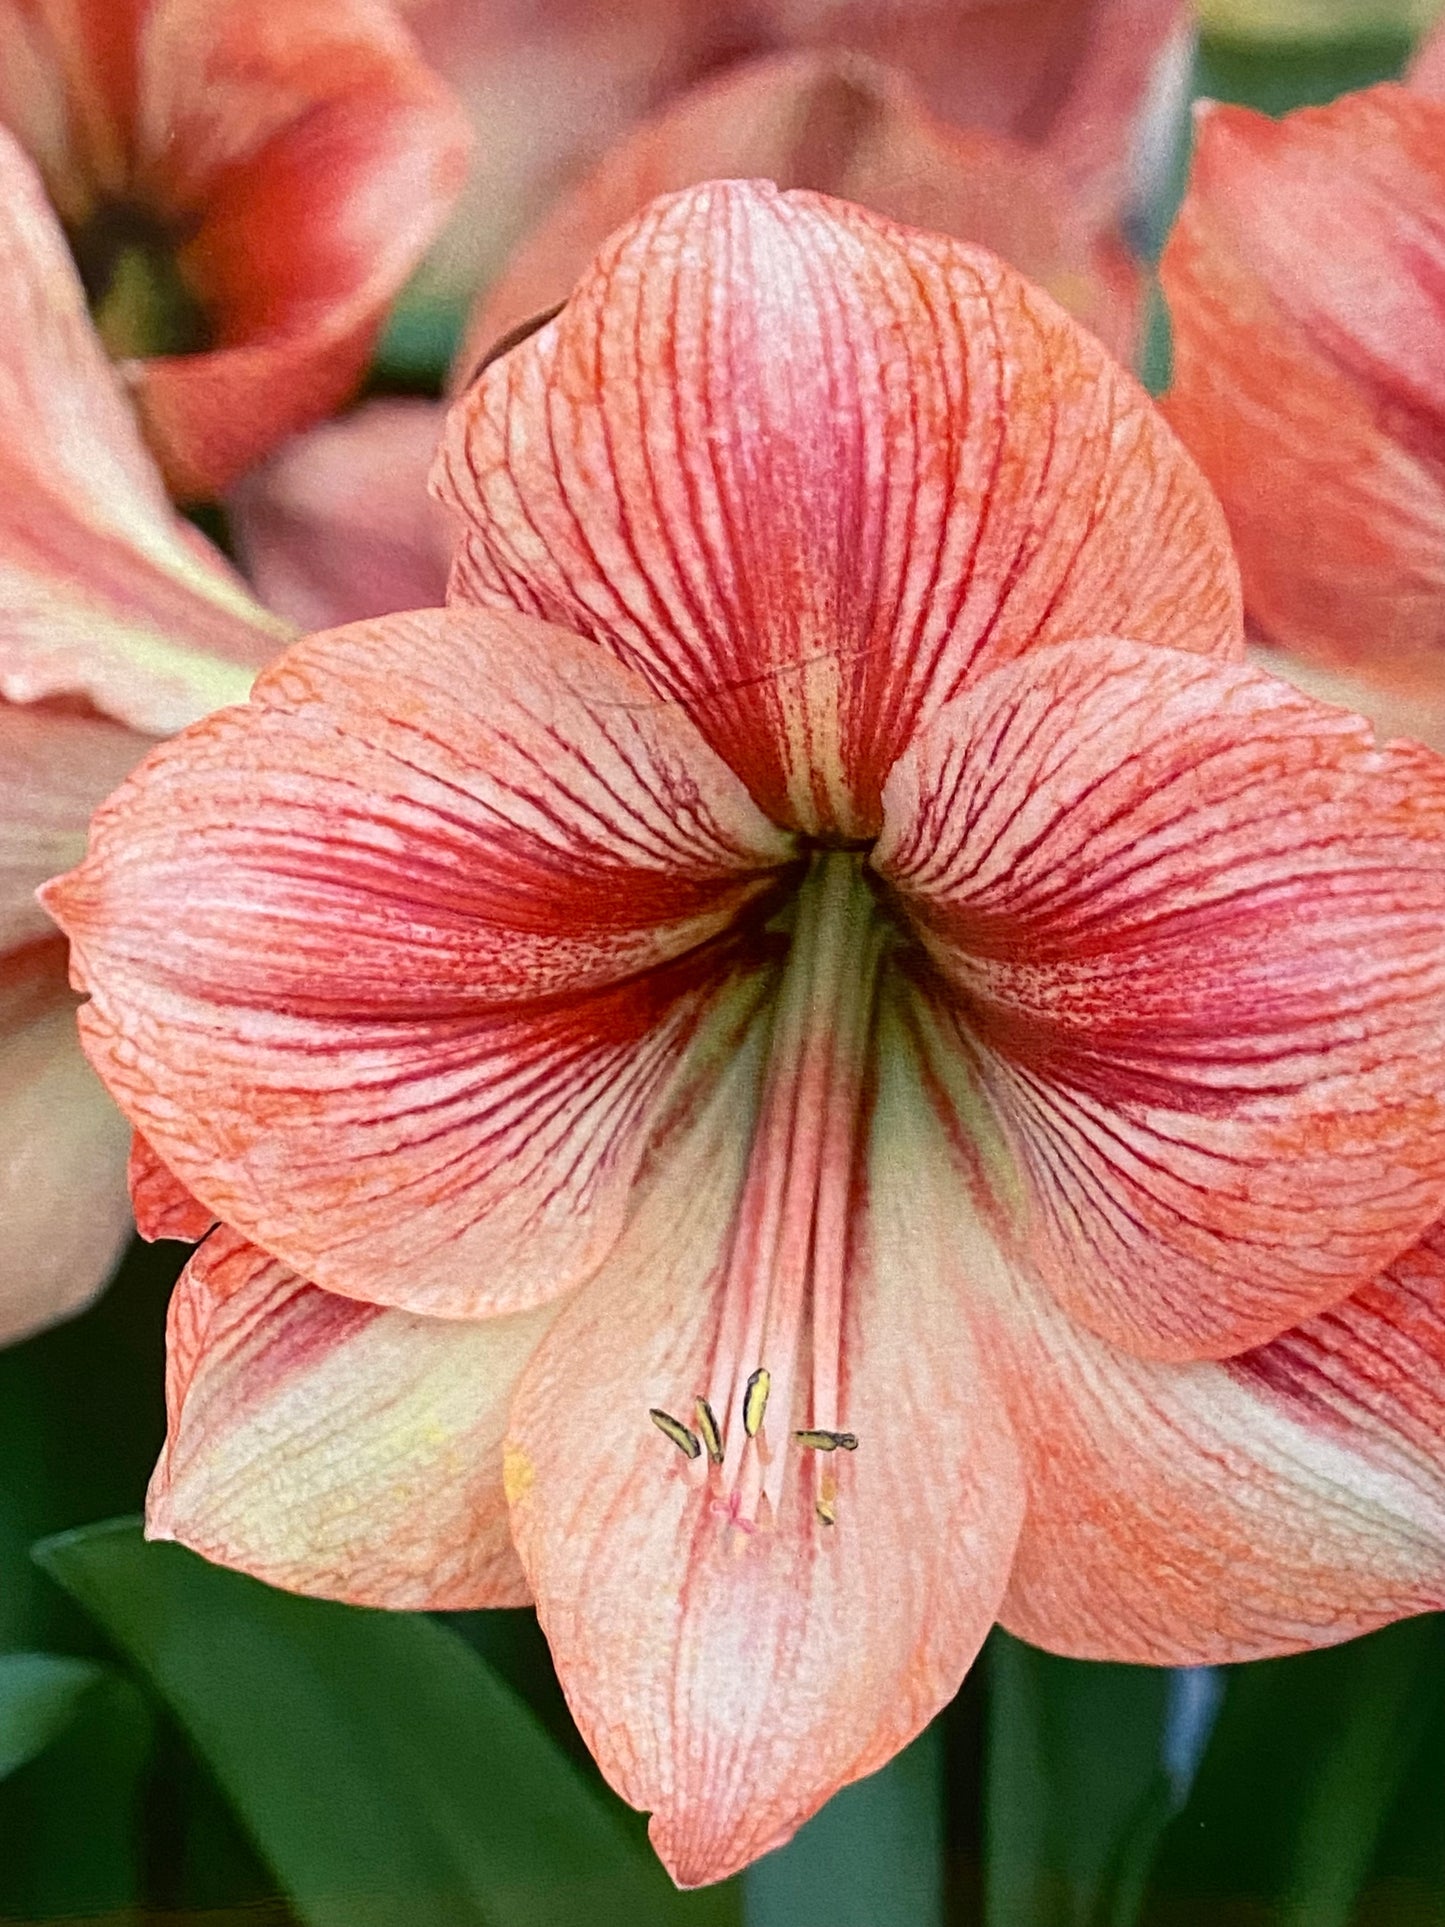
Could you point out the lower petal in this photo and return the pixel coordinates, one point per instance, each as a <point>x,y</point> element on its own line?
<point>336,1448</point>
<point>731,1680</point>
<point>1290,1497</point>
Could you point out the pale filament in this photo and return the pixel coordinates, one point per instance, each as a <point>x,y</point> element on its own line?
<point>786,1263</point>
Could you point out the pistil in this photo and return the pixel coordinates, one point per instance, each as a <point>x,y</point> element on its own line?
<point>785,1278</point>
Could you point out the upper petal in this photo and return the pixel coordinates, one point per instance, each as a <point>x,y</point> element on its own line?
<point>1304,280</point>
<point>1191,921</point>
<point>1287,1498</point>
<point>389,965</point>
<point>846,127</point>
<point>729,1682</point>
<point>104,592</point>
<point>810,472</point>
<point>336,1448</point>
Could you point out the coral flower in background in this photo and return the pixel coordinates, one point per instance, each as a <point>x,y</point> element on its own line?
<point>244,188</point>
<point>1304,280</point>
<point>814,1061</point>
<point>117,624</point>
<point>552,87</point>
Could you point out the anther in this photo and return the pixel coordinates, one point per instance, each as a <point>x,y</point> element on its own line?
<point>681,1435</point>
<point>827,1441</point>
<point>755,1401</point>
<point>826,1511</point>
<point>707,1426</point>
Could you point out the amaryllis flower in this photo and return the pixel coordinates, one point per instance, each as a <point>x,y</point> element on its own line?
<point>812,1062</point>
<point>244,187</point>
<point>552,85</point>
<point>1304,278</point>
<point>117,624</point>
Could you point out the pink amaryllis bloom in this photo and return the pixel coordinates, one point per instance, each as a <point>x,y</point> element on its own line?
<point>117,625</point>
<point>1305,281</point>
<point>244,187</point>
<point>815,1060</point>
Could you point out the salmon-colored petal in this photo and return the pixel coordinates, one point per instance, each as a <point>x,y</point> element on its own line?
<point>1427,70</point>
<point>389,966</point>
<point>731,1681</point>
<point>845,127</point>
<point>63,1201</point>
<point>810,472</point>
<point>163,1207</point>
<point>296,158</point>
<point>104,592</point>
<point>1304,280</point>
<point>336,1448</point>
<point>1192,920</point>
<point>55,767</point>
<point>339,526</point>
<point>1291,1497</point>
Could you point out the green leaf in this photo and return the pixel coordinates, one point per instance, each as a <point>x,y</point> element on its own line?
<point>1309,1758</point>
<point>873,1857</point>
<point>383,1770</point>
<point>1277,79</point>
<point>40,1695</point>
<point>1075,1789</point>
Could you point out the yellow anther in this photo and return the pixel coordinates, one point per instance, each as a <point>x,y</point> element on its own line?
<point>672,1428</point>
<point>826,1511</point>
<point>755,1401</point>
<point>707,1426</point>
<point>827,1441</point>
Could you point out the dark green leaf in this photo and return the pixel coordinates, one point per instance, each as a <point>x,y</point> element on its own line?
<point>1075,1790</point>
<point>1309,1758</point>
<point>1276,79</point>
<point>383,1770</point>
<point>40,1694</point>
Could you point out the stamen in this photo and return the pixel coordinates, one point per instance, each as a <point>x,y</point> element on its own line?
<point>755,1401</point>
<point>672,1428</point>
<point>707,1426</point>
<point>827,1441</point>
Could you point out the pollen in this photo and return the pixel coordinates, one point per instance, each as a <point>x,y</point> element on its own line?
<point>682,1436</point>
<point>755,1401</point>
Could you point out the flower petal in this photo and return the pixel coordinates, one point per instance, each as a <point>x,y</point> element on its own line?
<point>844,126</point>
<point>163,1207</point>
<point>810,472</point>
<point>307,156</point>
<point>104,593</point>
<point>1192,921</point>
<point>1291,1497</point>
<point>63,1200</point>
<point>732,1682</point>
<point>335,1448</point>
<point>1304,279</point>
<point>339,526</point>
<point>389,966</point>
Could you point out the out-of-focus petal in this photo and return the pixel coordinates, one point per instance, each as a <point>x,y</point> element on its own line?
<point>63,1201</point>
<point>389,966</point>
<point>1401,699</point>
<point>55,768</point>
<point>731,1682</point>
<point>1427,70</point>
<point>1193,919</point>
<point>339,526</point>
<point>104,593</point>
<point>336,1448</point>
<point>163,1207</point>
<point>810,472</point>
<point>845,127</point>
<point>1291,1497</point>
<point>1304,279</point>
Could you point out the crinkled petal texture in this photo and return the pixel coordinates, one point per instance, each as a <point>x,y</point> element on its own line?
<point>1305,279</point>
<point>296,157</point>
<point>731,1682</point>
<point>339,526</point>
<point>337,1448</point>
<point>163,1207</point>
<point>105,593</point>
<point>848,128</point>
<point>1189,922</point>
<point>809,472</point>
<point>391,967</point>
<point>1290,1497</point>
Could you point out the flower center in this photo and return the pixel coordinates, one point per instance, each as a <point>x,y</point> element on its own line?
<point>783,1285</point>
<point>138,295</point>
